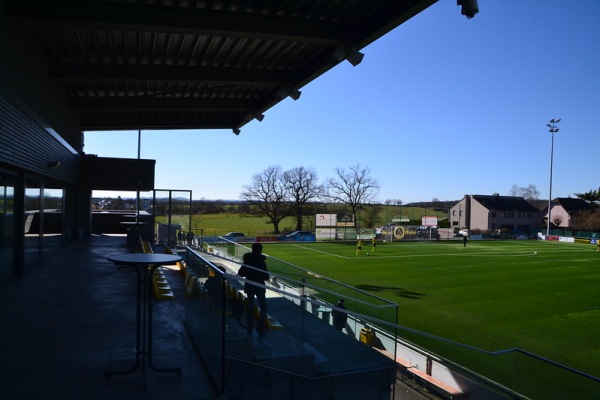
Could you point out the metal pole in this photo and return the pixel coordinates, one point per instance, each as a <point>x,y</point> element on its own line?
<point>137,197</point>
<point>387,212</point>
<point>553,129</point>
<point>550,191</point>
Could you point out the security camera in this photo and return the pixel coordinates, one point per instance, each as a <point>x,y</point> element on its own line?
<point>470,8</point>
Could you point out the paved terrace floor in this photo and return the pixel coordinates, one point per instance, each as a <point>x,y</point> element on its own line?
<point>69,320</point>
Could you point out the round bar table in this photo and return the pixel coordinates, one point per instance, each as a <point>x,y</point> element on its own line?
<point>132,233</point>
<point>144,265</point>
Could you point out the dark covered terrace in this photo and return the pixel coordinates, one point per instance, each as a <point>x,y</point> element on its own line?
<point>71,319</point>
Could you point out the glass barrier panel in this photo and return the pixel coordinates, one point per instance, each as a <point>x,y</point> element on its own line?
<point>301,307</point>
<point>300,340</point>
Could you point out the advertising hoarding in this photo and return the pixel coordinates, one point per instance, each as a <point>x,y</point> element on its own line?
<point>326,220</point>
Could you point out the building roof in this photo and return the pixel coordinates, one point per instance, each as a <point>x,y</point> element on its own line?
<point>573,205</point>
<point>196,64</point>
<point>505,203</point>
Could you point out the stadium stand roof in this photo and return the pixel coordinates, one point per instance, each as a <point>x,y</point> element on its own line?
<point>196,64</point>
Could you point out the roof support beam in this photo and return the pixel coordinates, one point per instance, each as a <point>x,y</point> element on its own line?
<point>134,122</point>
<point>143,17</point>
<point>149,103</point>
<point>145,73</point>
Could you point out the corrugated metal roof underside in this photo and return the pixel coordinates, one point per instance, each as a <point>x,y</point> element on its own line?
<point>197,64</point>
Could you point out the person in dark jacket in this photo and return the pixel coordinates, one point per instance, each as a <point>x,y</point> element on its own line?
<point>339,317</point>
<point>254,270</point>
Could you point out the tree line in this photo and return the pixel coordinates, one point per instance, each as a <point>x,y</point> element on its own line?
<point>277,194</point>
<point>589,219</point>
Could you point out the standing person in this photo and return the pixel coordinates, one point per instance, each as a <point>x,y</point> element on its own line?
<point>180,237</point>
<point>359,246</point>
<point>465,240</point>
<point>374,243</point>
<point>254,270</point>
<point>339,317</point>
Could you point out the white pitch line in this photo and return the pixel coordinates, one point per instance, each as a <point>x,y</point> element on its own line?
<point>519,253</point>
<point>523,253</point>
<point>322,252</point>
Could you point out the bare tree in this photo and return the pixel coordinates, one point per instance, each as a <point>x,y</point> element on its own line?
<point>267,193</point>
<point>587,219</point>
<point>352,187</point>
<point>530,192</point>
<point>371,214</point>
<point>302,186</point>
<point>557,220</point>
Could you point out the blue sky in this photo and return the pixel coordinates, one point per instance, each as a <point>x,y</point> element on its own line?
<point>440,107</point>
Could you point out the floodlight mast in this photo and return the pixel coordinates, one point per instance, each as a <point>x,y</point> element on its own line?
<point>553,129</point>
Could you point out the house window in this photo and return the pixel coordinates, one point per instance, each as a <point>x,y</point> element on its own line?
<point>493,215</point>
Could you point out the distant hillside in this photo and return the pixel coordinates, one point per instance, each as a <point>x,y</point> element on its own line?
<point>435,205</point>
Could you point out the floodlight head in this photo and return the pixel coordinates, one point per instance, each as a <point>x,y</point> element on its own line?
<point>469,8</point>
<point>354,57</point>
<point>258,116</point>
<point>53,164</point>
<point>288,91</point>
<point>558,120</point>
<point>341,53</point>
<point>236,131</point>
<point>295,94</point>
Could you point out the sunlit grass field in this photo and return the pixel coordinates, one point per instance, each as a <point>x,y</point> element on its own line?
<point>542,297</point>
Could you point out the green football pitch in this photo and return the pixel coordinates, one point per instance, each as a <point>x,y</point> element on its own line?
<point>541,297</point>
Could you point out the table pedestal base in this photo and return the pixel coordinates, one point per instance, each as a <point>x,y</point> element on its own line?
<point>143,324</point>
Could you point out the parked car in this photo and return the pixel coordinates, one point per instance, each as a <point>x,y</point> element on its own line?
<point>300,236</point>
<point>234,235</point>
